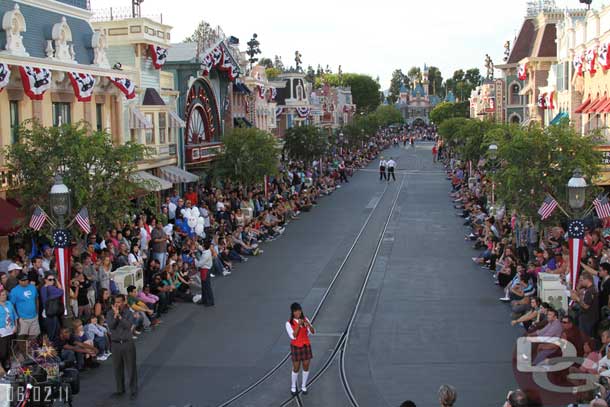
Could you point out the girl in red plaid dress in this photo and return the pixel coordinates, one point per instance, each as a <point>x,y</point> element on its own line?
<point>299,328</point>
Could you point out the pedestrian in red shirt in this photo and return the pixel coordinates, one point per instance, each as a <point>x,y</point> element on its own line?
<point>299,328</point>
<point>191,195</point>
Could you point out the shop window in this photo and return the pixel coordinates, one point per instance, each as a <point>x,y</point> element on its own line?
<point>99,116</point>
<point>515,97</point>
<point>14,115</point>
<point>162,127</point>
<point>62,113</point>
<point>150,133</point>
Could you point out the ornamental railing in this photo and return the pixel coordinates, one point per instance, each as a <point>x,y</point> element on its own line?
<point>120,13</point>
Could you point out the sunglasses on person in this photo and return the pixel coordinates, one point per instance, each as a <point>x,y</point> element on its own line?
<point>50,279</point>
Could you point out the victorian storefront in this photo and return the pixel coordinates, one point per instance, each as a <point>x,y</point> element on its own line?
<point>293,104</point>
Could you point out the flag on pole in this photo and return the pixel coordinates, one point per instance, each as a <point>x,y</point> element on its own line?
<point>602,207</point>
<point>39,217</point>
<point>82,218</point>
<point>576,236</point>
<point>548,207</point>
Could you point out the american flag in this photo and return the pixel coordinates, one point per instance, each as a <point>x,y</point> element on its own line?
<point>602,207</point>
<point>39,217</point>
<point>548,207</point>
<point>82,218</point>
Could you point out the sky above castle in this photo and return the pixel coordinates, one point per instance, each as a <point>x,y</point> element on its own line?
<point>363,36</point>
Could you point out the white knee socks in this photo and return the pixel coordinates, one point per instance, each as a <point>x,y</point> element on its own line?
<point>305,376</point>
<point>294,376</point>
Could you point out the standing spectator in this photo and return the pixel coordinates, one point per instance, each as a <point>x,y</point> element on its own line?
<point>447,395</point>
<point>204,263</point>
<point>8,327</point>
<point>51,295</point>
<point>121,328</point>
<point>47,256</point>
<point>587,301</point>
<point>13,271</point>
<point>25,299</point>
<point>159,245</point>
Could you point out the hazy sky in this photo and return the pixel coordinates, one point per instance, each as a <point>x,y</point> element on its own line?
<point>373,37</point>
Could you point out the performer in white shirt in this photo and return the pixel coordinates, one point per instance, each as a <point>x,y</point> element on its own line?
<point>382,165</point>
<point>299,328</point>
<point>391,164</point>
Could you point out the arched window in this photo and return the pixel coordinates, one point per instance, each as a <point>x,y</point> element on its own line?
<point>515,97</point>
<point>515,119</point>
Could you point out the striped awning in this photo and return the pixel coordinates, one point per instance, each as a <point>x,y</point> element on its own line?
<point>137,120</point>
<point>177,175</point>
<point>175,121</point>
<point>149,182</point>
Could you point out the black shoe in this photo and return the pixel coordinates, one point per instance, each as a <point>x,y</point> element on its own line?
<point>133,396</point>
<point>304,392</point>
<point>294,393</point>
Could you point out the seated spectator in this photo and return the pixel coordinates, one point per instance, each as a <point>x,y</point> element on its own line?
<point>98,335</point>
<point>144,314</point>
<point>70,349</point>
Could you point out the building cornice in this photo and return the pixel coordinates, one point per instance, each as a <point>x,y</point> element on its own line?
<point>55,65</point>
<point>61,8</point>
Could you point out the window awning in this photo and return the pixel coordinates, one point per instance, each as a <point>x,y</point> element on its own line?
<point>557,119</point>
<point>605,108</point>
<point>582,107</point>
<point>177,175</point>
<point>591,109</point>
<point>137,120</point>
<point>175,121</point>
<point>149,182</point>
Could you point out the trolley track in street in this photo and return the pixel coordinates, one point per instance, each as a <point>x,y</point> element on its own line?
<point>298,400</point>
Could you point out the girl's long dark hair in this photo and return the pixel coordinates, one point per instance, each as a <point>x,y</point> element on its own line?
<point>295,307</point>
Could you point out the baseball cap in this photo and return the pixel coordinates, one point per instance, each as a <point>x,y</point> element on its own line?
<point>14,266</point>
<point>22,277</point>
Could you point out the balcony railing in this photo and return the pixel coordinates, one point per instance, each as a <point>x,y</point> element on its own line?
<point>119,13</point>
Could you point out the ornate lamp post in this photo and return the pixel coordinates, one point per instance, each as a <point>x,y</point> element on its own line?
<point>61,203</point>
<point>577,187</point>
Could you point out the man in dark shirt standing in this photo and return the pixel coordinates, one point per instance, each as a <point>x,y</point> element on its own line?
<point>604,284</point>
<point>159,244</point>
<point>121,326</point>
<point>587,300</point>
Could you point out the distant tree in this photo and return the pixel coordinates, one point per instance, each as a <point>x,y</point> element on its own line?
<point>305,143</point>
<point>365,91</point>
<point>311,74</point>
<point>387,115</point>
<point>447,110</point>
<point>248,155</point>
<point>414,74</point>
<point>202,36</point>
<point>435,79</point>
<point>397,81</point>
<point>266,62</point>
<point>253,49</point>
<point>272,73</point>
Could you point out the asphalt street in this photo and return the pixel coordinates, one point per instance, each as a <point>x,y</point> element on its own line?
<point>429,316</point>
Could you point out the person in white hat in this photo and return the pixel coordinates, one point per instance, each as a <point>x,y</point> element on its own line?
<point>13,271</point>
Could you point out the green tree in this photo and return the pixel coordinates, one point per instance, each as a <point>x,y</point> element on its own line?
<point>365,91</point>
<point>537,161</point>
<point>266,62</point>
<point>203,35</point>
<point>435,79</point>
<point>448,110</point>
<point>311,74</point>
<point>387,115</point>
<point>305,143</point>
<point>272,73</point>
<point>397,81</point>
<point>414,74</point>
<point>253,49</point>
<point>97,171</point>
<point>249,154</point>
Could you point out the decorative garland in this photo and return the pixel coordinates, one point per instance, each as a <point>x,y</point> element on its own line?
<point>36,81</point>
<point>602,56</point>
<point>549,104</point>
<point>273,93</point>
<point>5,75</point>
<point>303,111</point>
<point>522,72</point>
<point>590,57</point>
<point>278,111</point>
<point>126,86</point>
<point>216,58</point>
<point>578,64</point>
<point>83,84</point>
<point>159,55</point>
<point>261,91</point>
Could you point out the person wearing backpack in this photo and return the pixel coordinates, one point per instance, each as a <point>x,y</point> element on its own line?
<point>51,295</point>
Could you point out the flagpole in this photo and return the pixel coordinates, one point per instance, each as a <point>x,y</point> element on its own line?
<point>49,219</point>
<point>560,208</point>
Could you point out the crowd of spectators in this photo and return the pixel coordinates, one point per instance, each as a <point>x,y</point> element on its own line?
<point>516,249</point>
<point>232,224</point>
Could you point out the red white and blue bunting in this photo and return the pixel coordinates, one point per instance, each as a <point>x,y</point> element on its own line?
<point>5,75</point>
<point>159,55</point>
<point>590,57</point>
<point>36,81</point>
<point>303,111</point>
<point>578,64</point>
<point>273,93</point>
<point>217,58</point>
<point>261,91</point>
<point>602,56</point>
<point>542,101</point>
<point>126,86</point>
<point>522,72</point>
<point>83,84</point>
<point>278,111</point>
<point>549,103</point>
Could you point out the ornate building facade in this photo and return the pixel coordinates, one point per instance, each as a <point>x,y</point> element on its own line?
<point>416,104</point>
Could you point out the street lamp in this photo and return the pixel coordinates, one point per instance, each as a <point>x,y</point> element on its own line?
<point>493,152</point>
<point>60,200</point>
<point>577,186</point>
